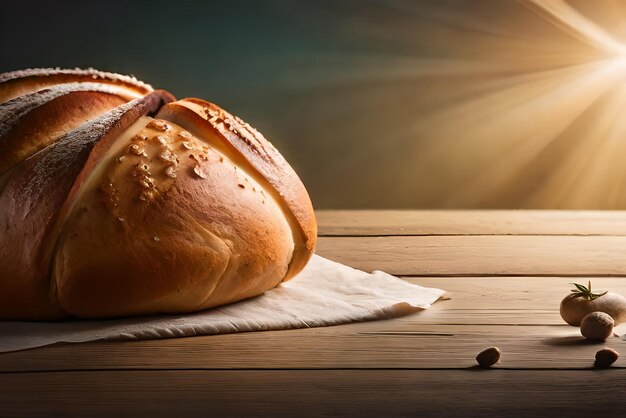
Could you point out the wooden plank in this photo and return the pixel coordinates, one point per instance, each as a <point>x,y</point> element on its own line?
<point>382,393</point>
<point>350,366</point>
<point>520,315</point>
<point>470,222</point>
<point>530,294</point>
<point>423,347</point>
<point>481,255</point>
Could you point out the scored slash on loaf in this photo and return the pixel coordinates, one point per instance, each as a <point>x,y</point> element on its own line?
<point>117,200</point>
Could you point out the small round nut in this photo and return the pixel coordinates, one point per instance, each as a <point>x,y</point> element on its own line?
<point>597,326</point>
<point>488,357</point>
<point>605,357</point>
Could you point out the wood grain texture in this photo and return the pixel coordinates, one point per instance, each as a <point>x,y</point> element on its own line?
<point>505,271</point>
<point>330,393</point>
<point>519,315</point>
<point>481,255</point>
<point>470,222</point>
<point>397,347</point>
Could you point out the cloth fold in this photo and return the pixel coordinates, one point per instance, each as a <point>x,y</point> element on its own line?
<point>324,293</point>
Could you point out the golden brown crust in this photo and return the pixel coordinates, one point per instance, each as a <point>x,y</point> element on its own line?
<point>17,83</point>
<point>209,120</point>
<point>32,122</point>
<point>191,230</point>
<point>105,211</point>
<point>36,194</point>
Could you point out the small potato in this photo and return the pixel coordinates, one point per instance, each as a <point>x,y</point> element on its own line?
<point>597,326</point>
<point>582,301</point>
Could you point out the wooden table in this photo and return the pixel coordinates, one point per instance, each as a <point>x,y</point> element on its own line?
<point>506,272</point>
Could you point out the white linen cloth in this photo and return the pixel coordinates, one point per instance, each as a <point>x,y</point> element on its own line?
<point>324,293</point>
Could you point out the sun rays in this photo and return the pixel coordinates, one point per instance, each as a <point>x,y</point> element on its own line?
<point>537,113</point>
<point>567,18</point>
<point>535,119</point>
<point>461,104</point>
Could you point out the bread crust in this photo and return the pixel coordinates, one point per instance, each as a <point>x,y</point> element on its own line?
<point>110,209</point>
<point>34,121</point>
<point>192,230</point>
<point>242,140</point>
<point>33,205</point>
<point>17,83</point>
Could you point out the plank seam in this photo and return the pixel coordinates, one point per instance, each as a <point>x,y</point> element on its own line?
<point>504,234</point>
<point>301,369</point>
<point>497,275</point>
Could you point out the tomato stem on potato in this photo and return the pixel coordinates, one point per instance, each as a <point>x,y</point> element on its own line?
<point>586,292</point>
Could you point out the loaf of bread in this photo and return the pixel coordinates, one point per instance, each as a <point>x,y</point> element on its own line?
<point>117,200</point>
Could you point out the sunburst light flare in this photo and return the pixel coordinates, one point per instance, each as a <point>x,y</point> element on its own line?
<point>458,104</point>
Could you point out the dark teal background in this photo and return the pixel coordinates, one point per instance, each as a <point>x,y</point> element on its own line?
<point>258,59</point>
<point>376,104</point>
